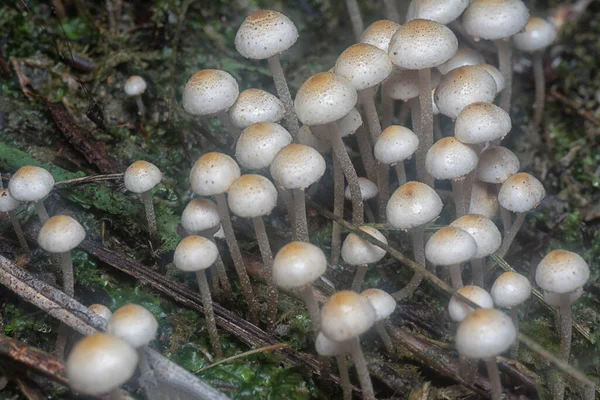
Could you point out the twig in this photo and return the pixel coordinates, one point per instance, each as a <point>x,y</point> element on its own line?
<point>88,179</point>
<point>576,107</point>
<point>245,354</point>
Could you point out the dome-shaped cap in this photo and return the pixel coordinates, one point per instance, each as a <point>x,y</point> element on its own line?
<point>213,173</point>
<point>483,230</point>
<point>259,143</point>
<point>60,234</point>
<point>442,11</point>
<point>306,137</point>
<point>298,264</point>
<point>562,271</point>
<point>368,189</point>
<point>448,158</point>
<point>510,289</point>
<point>100,309</point>
<point>297,166</point>
<point>494,20</point>
<point>496,74</point>
<point>379,33</point>
<point>364,65</point>
<point>383,302</point>
<point>485,333</point>
<point>7,203</point>
<point>265,33</point>
<point>463,86</point>
<point>210,91</point>
<point>134,324</point>
<point>135,85</point>
<point>554,299</point>
<point>496,164</point>
<point>358,251</point>
<point>413,204</point>
<point>141,176</point>
<point>538,35</point>
<point>30,183</point>
<point>100,363</point>
<point>479,123</point>
<point>329,348</point>
<point>255,105</point>
<point>350,123</point>
<point>346,315</point>
<point>421,44</point>
<point>403,84</point>
<point>200,215</point>
<point>464,56</point>
<point>195,253</point>
<point>521,192</point>
<point>395,144</point>
<point>324,97</point>
<point>458,310</point>
<point>483,200</point>
<point>252,196</point>
<point>450,246</point>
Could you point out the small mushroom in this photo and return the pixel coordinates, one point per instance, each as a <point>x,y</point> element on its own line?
<point>141,177</point>
<point>394,145</point>
<point>443,12</point>
<point>358,252</point>
<point>368,190</point>
<point>328,348</point>
<point>484,200</point>
<point>32,184</point>
<point>103,311</point>
<point>253,106</point>
<point>259,143</point>
<point>384,305</point>
<point>463,56</point>
<point>451,247</point>
<point>9,205</point>
<point>481,123</point>
<point>458,310</point>
<point>135,86</point>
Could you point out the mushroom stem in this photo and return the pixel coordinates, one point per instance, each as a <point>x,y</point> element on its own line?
<point>67,273</point>
<point>366,99</point>
<point>223,279</point>
<point>417,235</point>
<point>342,365</point>
<point>391,11</point>
<point>385,337</point>
<point>494,378</point>
<point>12,215</point>
<point>143,365</point>
<point>510,235</point>
<point>455,276</point>
<point>283,92</point>
<point>540,89</point>
<point>514,315</point>
<point>369,216</point>
<point>231,129</point>
<point>301,227</point>
<point>458,192</point>
<point>401,173</point>
<point>415,116</point>
<point>504,48</point>
<point>308,297</point>
<point>338,209</point>
<point>566,331</point>
<point>150,217</point>
<point>383,181</point>
<point>214,282</point>
<point>477,268</point>
<point>288,202</point>
<point>366,153</point>
<point>359,277</point>
<point>361,369</point>
<point>387,108</point>
<point>209,313</point>
<point>267,256</point>
<point>506,219</point>
<point>236,255</point>
<point>140,105</point>
<point>355,18</point>
<point>426,117</point>
<point>41,211</point>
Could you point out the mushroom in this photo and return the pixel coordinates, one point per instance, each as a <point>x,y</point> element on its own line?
<point>384,305</point>
<point>141,177</point>
<point>356,251</point>
<point>350,124</point>
<point>496,74</point>
<point>9,205</point>
<point>329,348</point>
<point>368,190</point>
<point>442,11</point>
<point>451,247</point>
<point>135,86</point>
<point>32,184</point>
<point>255,105</point>
<point>103,311</point>
<point>481,123</point>
<point>464,56</point>
<point>395,145</point>
<point>259,143</point>
<point>458,310</point>
<point>483,200</point>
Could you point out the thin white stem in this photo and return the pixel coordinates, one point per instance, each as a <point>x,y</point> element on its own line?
<point>477,268</point>
<point>540,90</point>
<point>267,256</point>
<point>288,202</point>
<point>67,273</point>
<point>387,108</point>
<point>383,182</point>
<point>391,11</point>
<point>510,235</point>
<point>514,315</point>
<point>283,92</point>
<point>12,215</point>
<point>342,365</point>
<point>458,192</point>
<point>308,296</point>
<point>338,209</point>
<point>41,211</point>
<point>361,369</point>
<point>366,153</point>
<point>506,219</point>
<point>231,129</point>
<point>400,173</point>
<point>150,217</point>
<point>426,117</point>
<point>417,236</point>
<point>367,100</point>
<point>301,227</point>
<point>504,49</point>
<point>566,333</point>
<point>385,337</point>
<point>359,277</point>
<point>455,276</point>
<point>140,106</point>
<point>355,18</point>
<point>209,313</point>
<point>494,378</point>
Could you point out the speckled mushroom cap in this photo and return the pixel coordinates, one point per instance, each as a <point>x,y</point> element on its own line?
<point>368,189</point>
<point>297,166</point>
<point>463,86</point>
<point>134,324</point>
<point>323,98</point>
<point>195,253</point>
<point>100,309</point>
<point>350,123</point>
<point>135,85</point>
<point>554,299</point>
<point>200,215</point>
<point>30,183</point>
<point>483,230</point>
<point>562,271</point>
<point>379,33</point>
<point>483,200</point>
<point>141,176</point>
<point>213,173</point>
<point>403,84</point>
<point>259,143</point>
<point>521,192</point>
<point>210,91</point>
<point>421,44</point>
<point>450,245</point>
<point>494,19</point>
<point>298,264</point>
<point>383,303</point>
<point>60,234</point>
<point>510,289</point>
<point>395,144</point>
<point>358,251</point>
<point>100,363</point>
<point>265,33</point>
<point>480,123</point>
<point>330,348</point>
<point>306,137</point>
<point>448,158</point>
<point>364,65</point>
<point>346,315</point>
<point>413,204</point>
<point>464,56</point>
<point>442,11</point>
<point>486,332</point>
<point>458,310</point>
<point>496,74</point>
<point>538,35</point>
<point>252,196</point>
<point>496,164</point>
<point>7,203</point>
<point>255,105</point>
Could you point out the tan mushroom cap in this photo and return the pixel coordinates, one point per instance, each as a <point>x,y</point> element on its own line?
<point>383,302</point>
<point>395,144</point>
<point>413,204</point>
<point>265,33</point>
<point>330,348</point>
<point>30,183</point>
<point>135,85</point>
<point>297,166</point>
<point>60,234</point>
<point>481,122</point>
<point>346,315</point>
<point>259,143</point>
<point>195,253</point>
<point>562,271</point>
<point>213,173</point>
<point>306,137</point>
<point>298,264</point>
<point>496,164</point>
<point>495,19</point>
<point>496,74</point>
<point>7,203</point>
<point>358,251</point>
<point>464,56</point>
<point>442,11</point>
<point>134,324</point>
<point>255,105</point>
<point>209,92</point>
<point>100,309</point>
<point>252,196</point>
<point>368,189</point>
<point>483,230</point>
<point>449,246</point>
<point>364,65</point>
<point>448,158</point>
<point>521,192</point>
<point>403,84</point>
<point>200,215</point>
<point>483,200</point>
<point>141,176</point>
<point>486,332</point>
<point>510,289</point>
<point>537,35</point>
<point>458,310</point>
<point>379,33</point>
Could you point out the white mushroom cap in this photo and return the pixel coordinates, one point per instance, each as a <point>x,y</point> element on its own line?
<point>358,251</point>
<point>496,164</point>
<point>134,324</point>
<point>60,234</point>
<point>364,65</point>
<point>510,289</point>
<point>413,204</point>
<point>458,310</point>
<point>449,246</point>
<point>306,137</point>
<point>496,74</point>
<point>135,85</point>
<point>258,144</point>
<point>403,84</point>
<point>30,183</point>
<point>252,196</point>
<point>346,315</point>
<point>538,35</point>
<point>379,33</point>
<point>100,309</point>
<point>141,176</point>
<point>421,44</point>
<point>483,200</point>
<point>298,264</point>
<point>200,215</point>
<point>210,91</point>
<point>7,203</point>
<point>265,33</point>
<point>350,123</point>
<point>479,123</point>
<point>395,144</point>
<point>255,105</point>
<point>383,303</point>
<point>329,348</point>
<point>483,230</point>
<point>486,332</point>
<point>297,166</point>
<point>448,158</point>
<point>562,271</point>
<point>195,253</point>
<point>521,192</point>
<point>493,19</point>
<point>213,173</point>
<point>442,11</point>
<point>324,97</point>
<point>100,363</point>
<point>463,86</point>
<point>554,299</point>
<point>368,189</point>
<point>464,56</point>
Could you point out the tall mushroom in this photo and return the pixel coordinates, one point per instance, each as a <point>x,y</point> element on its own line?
<point>481,123</point>
<point>356,251</point>
<point>451,247</point>
<point>328,348</point>
<point>32,184</point>
<point>135,86</point>
<point>141,177</point>
<point>384,305</point>
<point>255,105</point>
<point>9,205</point>
<point>259,143</point>
<point>368,190</point>
<point>395,145</point>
